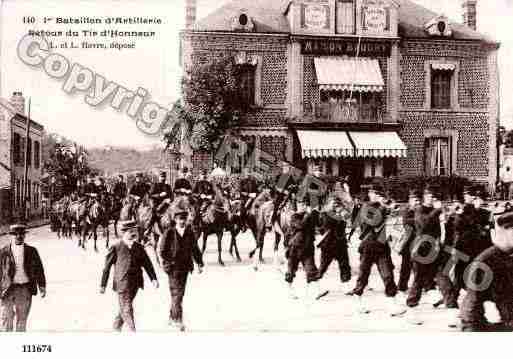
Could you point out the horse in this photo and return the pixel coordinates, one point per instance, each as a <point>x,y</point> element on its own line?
<point>215,219</point>
<point>258,220</point>
<point>115,212</point>
<point>61,222</point>
<point>97,215</point>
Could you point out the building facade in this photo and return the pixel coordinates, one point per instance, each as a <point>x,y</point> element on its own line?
<point>14,147</point>
<point>365,88</point>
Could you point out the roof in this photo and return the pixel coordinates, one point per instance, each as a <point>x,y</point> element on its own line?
<point>6,105</point>
<point>269,17</point>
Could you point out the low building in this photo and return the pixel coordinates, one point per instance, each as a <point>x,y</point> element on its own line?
<point>13,146</point>
<point>364,88</point>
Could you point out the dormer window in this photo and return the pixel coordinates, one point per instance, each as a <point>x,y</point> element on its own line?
<point>439,26</point>
<point>242,22</point>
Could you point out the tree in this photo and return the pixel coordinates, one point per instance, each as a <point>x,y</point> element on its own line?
<point>212,104</point>
<point>65,161</point>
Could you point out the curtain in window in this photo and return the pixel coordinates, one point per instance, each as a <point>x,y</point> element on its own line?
<point>444,156</point>
<point>345,17</point>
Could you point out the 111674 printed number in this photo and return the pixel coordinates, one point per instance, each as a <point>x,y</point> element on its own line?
<point>33,348</point>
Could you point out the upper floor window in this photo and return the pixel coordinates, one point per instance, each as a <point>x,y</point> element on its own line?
<point>345,17</point>
<point>37,154</point>
<point>441,89</point>
<point>247,77</point>
<point>16,148</point>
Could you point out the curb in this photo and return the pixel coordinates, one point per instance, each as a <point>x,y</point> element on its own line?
<point>4,232</point>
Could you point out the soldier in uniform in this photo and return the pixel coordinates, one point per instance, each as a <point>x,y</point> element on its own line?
<point>139,188</point>
<point>160,196</point>
<point>204,190</point>
<point>485,221</point>
<point>332,223</point>
<point>409,235</point>
<point>497,262</point>
<point>285,186</point>
<point>101,187</point>
<point>374,249</point>
<point>425,250</point>
<point>182,185</point>
<point>248,188</point>
<point>119,191</point>
<point>301,247</point>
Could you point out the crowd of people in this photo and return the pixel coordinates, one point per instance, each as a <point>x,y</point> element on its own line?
<point>449,249</point>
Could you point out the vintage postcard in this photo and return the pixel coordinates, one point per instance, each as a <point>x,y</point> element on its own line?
<point>255,166</point>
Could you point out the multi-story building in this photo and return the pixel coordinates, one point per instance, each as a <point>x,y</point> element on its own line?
<point>365,88</point>
<point>14,146</point>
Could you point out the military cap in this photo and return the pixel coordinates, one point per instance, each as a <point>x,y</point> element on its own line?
<point>163,174</point>
<point>138,175</point>
<point>129,224</point>
<point>18,228</point>
<point>468,190</point>
<point>413,194</point>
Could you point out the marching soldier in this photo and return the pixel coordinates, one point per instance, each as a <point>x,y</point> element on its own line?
<point>333,245</point>
<point>182,185</point>
<point>409,235</point>
<point>374,249</point>
<point>139,189</point>
<point>497,262</point>
<point>301,248</point>
<point>425,250</point>
<point>485,221</point>
<point>160,195</point>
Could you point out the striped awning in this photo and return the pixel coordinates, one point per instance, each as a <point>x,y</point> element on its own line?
<point>378,144</point>
<point>324,144</point>
<point>356,74</point>
<point>443,66</point>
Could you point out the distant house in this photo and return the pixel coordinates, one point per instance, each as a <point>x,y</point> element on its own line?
<point>506,164</point>
<point>13,146</point>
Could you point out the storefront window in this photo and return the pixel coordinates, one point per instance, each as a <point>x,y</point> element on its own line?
<point>344,106</point>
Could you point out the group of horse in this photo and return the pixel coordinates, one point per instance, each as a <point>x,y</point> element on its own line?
<point>207,216</point>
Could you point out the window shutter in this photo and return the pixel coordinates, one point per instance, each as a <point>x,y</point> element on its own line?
<point>328,17</point>
<point>303,8</point>
<point>387,26</point>
<point>427,157</point>
<point>364,10</point>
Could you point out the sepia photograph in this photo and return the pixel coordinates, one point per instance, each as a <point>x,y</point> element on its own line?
<point>292,167</point>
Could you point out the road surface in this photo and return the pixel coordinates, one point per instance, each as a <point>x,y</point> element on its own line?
<point>232,298</point>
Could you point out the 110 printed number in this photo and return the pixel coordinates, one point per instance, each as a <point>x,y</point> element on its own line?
<point>37,348</point>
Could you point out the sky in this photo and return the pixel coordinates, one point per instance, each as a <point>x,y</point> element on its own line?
<point>154,63</point>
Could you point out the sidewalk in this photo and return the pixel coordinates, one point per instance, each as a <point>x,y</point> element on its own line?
<point>4,229</point>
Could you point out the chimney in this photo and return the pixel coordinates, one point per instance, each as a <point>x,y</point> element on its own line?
<point>190,13</point>
<point>470,13</point>
<point>18,102</point>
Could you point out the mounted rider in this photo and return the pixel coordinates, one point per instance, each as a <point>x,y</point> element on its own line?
<point>160,195</point>
<point>139,189</point>
<point>204,190</point>
<point>285,187</point>
<point>119,191</point>
<point>182,185</point>
<point>248,189</point>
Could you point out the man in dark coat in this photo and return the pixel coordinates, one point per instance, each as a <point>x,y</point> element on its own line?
<point>160,194</point>
<point>120,191</point>
<point>374,249</point>
<point>128,258</point>
<point>139,189</point>
<point>301,249</point>
<point>485,221</point>
<point>492,281</point>
<point>332,223</point>
<point>178,249</point>
<point>21,275</point>
<point>409,235</point>
<point>204,190</point>
<point>182,185</point>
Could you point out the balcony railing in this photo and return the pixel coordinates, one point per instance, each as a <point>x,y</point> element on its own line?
<point>347,112</point>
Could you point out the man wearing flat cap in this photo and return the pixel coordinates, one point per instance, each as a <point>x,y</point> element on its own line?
<point>178,250</point>
<point>21,275</point>
<point>128,258</point>
<point>495,264</point>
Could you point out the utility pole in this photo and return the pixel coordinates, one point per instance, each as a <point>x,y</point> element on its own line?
<point>25,176</point>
